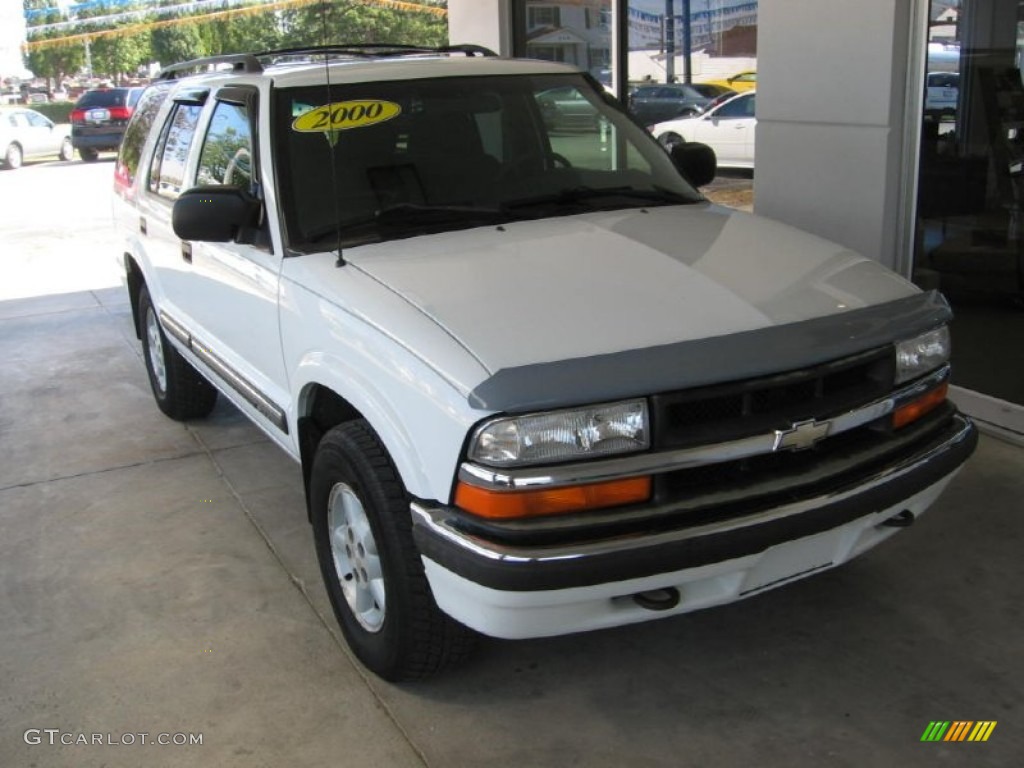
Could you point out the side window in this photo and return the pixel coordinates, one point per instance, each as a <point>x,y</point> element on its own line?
<point>227,150</point>
<point>37,121</point>
<point>167,172</point>
<point>741,107</point>
<point>130,154</point>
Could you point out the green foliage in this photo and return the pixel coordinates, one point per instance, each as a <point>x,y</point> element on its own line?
<point>59,112</point>
<point>329,22</point>
<point>242,34</point>
<point>180,42</point>
<point>116,55</point>
<point>56,61</point>
<point>347,21</point>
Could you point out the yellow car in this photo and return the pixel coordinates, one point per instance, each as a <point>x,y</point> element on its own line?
<point>744,81</point>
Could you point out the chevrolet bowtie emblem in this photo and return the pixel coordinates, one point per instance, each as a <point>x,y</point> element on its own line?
<point>802,435</point>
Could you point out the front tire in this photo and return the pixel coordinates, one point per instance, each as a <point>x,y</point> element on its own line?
<point>67,149</point>
<point>669,140</point>
<point>371,568</point>
<point>179,389</point>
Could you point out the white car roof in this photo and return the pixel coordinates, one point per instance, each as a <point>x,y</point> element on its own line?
<point>293,73</point>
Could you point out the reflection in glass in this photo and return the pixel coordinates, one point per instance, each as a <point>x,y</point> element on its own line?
<point>970,239</point>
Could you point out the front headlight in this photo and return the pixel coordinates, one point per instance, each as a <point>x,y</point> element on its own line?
<point>916,357</point>
<point>576,433</point>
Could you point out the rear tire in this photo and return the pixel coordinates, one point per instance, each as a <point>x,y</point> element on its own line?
<point>89,155</point>
<point>13,156</point>
<point>179,389</point>
<point>371,567</point>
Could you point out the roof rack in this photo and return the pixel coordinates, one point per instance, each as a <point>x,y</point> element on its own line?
<point>250,62</point>
<point>374,50</point>
<point>241,62</point>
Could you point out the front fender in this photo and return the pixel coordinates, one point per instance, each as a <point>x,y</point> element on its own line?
<point>420,415</point>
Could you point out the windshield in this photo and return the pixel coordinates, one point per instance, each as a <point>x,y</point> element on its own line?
<point>378,161</point>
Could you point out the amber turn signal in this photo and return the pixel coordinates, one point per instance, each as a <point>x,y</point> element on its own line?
<point>915,409</point>
<point>506,505</point>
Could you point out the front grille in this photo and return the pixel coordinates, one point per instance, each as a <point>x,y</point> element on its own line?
<point>720,413</point>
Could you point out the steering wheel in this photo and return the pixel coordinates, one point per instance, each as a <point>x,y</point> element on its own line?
<point>242,157</point>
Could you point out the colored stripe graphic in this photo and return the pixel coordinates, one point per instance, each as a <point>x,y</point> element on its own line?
<point>982,730</point>
<point>935,731</point>
<point>958,730</point>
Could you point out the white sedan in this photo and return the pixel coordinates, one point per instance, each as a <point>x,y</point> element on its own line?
<point>26,134</point>
<point>727,128</point>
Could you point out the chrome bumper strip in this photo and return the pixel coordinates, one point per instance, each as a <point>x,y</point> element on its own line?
<point>596,471</point>
<point>439,520</point>
<point>240,384</point>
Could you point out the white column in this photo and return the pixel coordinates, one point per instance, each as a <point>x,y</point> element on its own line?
<point>832,120</point>
<point>483,22</point>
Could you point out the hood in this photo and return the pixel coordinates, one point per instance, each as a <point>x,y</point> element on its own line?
<point>595,284</point>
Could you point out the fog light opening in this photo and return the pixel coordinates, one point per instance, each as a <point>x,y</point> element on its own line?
<point>903,519</point>
<point>658,599</point>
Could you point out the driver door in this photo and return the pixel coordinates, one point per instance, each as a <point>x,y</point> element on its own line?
<point>233,301</point>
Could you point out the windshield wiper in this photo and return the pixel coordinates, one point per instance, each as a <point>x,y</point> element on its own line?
<point>413,217</point>
<point>583,195</point>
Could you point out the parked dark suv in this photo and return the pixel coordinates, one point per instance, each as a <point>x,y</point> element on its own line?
<point>99,119</point>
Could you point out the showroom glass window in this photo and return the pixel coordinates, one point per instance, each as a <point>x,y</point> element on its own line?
<point>577,33</point>
<point>970,222</point>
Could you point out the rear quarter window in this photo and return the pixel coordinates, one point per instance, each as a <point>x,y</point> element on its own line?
<point>130,154</point>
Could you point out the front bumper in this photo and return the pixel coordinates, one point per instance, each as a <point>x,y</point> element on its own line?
<point>529,590</point>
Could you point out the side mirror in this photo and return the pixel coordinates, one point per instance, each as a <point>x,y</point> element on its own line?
<point>696,161</point>
<point>216,214</point>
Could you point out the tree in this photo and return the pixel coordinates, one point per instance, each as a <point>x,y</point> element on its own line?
<point>179,42</point>
<point>243,34</point>
<point>348,21</point>
<point>115,55</point>
<point>53,62</point>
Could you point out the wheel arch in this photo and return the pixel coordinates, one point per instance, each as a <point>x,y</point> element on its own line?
<point>321,408</point>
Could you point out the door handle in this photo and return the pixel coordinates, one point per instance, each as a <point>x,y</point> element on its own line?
<point>142,224</point>
<point>186,252</point>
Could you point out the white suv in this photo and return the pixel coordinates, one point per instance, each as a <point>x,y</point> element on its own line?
<point>537,384</point>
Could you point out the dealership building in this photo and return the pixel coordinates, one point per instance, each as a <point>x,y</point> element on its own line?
<point>893,127</point>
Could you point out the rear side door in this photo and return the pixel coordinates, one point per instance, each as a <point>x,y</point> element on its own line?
<point>28,135</point>
<point>45,139</point>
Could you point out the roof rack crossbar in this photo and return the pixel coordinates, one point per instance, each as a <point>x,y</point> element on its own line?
<point>241,62</point>
<point>467,48</point>
<point>371,50</point>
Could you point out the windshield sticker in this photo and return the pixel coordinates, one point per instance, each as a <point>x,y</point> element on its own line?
<point>346,115</point>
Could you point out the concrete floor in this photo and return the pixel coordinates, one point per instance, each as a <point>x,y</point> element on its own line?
<point>160,578</point>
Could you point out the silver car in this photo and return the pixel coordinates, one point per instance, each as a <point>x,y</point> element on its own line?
<point>27,134</point>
